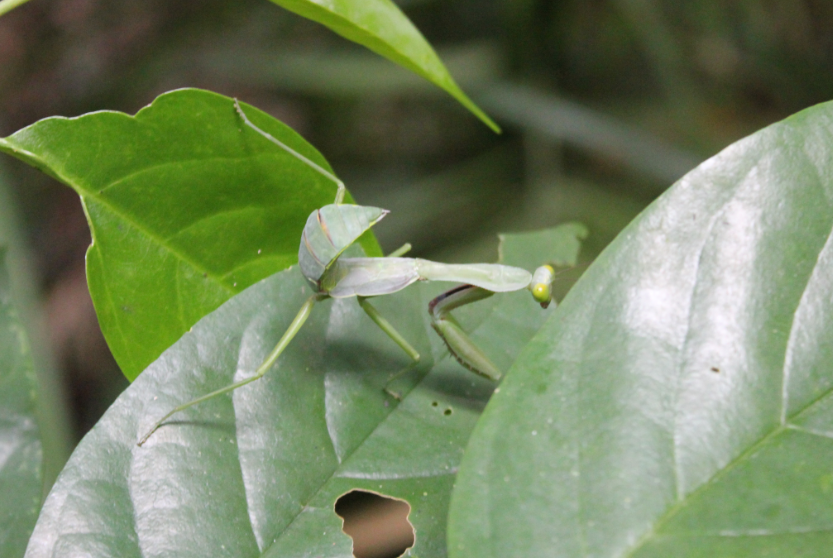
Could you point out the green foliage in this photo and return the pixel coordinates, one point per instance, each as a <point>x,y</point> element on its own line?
<point>8,5</point>
<point>257,472</point>
<point>383,28</point>
<point>21,464</point>
<point>677,403</point>
<point>680,402</point>
<point>187,207</point>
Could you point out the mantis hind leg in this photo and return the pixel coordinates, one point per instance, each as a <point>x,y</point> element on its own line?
<point>313,165</point>
<point>288,335</point>
<point>459,343</point>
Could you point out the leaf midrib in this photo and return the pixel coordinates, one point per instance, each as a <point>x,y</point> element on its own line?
<point>358,446</point>
<point>86,192</point>
<point>785,423</point>
<point>341,464</point>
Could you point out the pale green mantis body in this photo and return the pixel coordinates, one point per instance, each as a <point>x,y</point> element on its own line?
<point>330,230</point>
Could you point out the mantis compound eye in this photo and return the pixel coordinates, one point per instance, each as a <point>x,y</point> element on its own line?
<point>541,285</point>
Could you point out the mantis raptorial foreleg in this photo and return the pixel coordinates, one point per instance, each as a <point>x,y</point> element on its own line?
<point>459,344</point>
<point>289,334</point>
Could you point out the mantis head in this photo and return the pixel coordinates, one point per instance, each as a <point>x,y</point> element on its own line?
<point>541,285</point>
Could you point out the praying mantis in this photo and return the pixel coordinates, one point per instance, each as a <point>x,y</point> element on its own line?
<point>331,229</point>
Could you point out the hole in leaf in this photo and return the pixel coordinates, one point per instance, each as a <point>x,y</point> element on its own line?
<point>434,404</point>
<point>377,524</point>
<point>447,412</point>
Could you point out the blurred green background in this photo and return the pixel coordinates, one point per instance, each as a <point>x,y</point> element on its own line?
<point>604,104</point>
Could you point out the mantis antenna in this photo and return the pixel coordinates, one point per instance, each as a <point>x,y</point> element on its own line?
<point>321,170</point>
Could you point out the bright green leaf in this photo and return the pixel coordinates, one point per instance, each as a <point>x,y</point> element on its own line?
<point>257,472</point>
<point>21,482</point>
<point>8,5</point>
<point>382,27</point>
<point>536,248</point>
<point>681,401</point>
<point>187,207</point>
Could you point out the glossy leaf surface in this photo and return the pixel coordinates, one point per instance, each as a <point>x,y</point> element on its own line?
<point>257,472</point>
<point>681,403</point>
<point>187,207</point>
<point>382,27</point>
<point>21,455</point>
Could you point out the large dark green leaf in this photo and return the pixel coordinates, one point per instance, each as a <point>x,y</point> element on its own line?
<point>187,207</point>
<point>21,482</point>
<point>258,471</point>
<point>681,402</point>
<point>380,26</point>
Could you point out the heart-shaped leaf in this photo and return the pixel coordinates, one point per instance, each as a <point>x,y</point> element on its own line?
<point>187,207</point>
<point>382,27</point>
<point>257,472</point>
<point>20,447</point>
<point>680,403</point>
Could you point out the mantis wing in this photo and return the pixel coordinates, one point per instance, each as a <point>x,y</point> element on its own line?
<point>328,232</point>
<point>369,276</point>
<point>378,276</point>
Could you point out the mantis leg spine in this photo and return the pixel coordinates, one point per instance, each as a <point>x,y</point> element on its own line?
<point>459,343</point>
